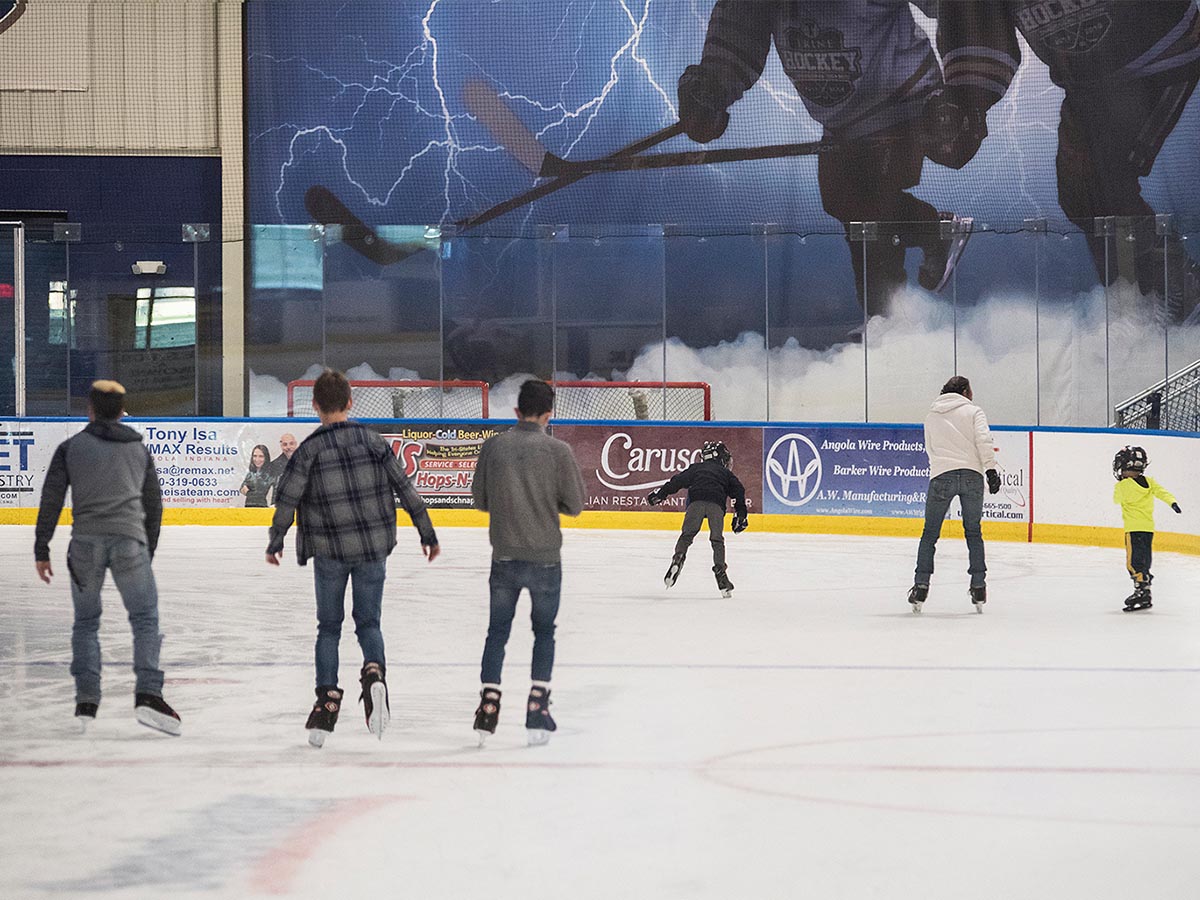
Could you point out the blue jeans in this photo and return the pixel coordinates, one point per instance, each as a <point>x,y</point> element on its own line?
<point>88,558</point>
<point>544,583</point>
<point>967,485</point>
<point>330,577</point>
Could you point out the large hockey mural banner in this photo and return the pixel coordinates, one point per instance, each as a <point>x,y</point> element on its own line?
<point>989,182</point>
<point>883,471</point>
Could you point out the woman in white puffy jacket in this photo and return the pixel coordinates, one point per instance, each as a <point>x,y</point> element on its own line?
<point>959,445</point>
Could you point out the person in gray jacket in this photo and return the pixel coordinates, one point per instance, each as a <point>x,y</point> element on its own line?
<point>524,479</point>
<point>116,506</point>
<point>958,443</point>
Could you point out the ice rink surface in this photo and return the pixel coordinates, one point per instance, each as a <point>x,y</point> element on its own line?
<point>808,737</point>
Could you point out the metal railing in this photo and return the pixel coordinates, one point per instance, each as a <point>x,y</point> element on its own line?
<point>1172,404</point>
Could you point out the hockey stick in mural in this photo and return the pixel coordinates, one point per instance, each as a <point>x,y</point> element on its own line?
<point>326,208</point>
<point>487,106</point>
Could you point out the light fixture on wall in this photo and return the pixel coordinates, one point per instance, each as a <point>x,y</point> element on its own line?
<point>149,267</point>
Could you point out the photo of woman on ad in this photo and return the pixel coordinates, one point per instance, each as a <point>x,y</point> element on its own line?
<point>260,477</point>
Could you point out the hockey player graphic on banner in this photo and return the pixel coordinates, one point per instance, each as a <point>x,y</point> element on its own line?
<point>868,73</point>
<point>1128,70</point>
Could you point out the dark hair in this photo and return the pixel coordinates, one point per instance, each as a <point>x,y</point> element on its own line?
<point>957,385</point>
<point>536,398</point>
<point>331,392</point>
<point>266,457</point>
<point>107,399</point>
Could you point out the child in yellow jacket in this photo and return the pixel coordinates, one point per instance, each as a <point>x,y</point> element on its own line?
<point>1135,492</point>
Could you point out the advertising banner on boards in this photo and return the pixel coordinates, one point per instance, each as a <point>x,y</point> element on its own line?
<point>864,471</point>
<point>621,464</point>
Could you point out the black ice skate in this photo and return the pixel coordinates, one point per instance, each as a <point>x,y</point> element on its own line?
<point>916,596</point>
<point>1139,599</point>
<point>85,715</point>
<point>675,568</point>
<point>374,698</point>
<point>152,711</point>
<point>724,585</point>
<point>324,714</point>
<point>488,713</point>
<point>979,597</point>
<point>538,722</point>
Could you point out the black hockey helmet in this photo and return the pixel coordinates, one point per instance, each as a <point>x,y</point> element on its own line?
<point>718,451</point>
<point>1131,458</point>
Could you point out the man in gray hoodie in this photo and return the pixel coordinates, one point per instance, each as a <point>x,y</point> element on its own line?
<point>524,479</point>
<point>958,442</point>
<point>116,506</point>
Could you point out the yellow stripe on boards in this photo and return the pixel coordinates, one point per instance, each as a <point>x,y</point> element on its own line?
<point>867,526</point>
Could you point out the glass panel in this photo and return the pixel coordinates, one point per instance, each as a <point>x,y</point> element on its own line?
<point>1179,405</point>
<point>115,272</point>
<point>715,308</point>
<point>497,312</point>
<point>910,334</point>
<point>45,347</point>
<point>815,327</point>
<point>996,313</point>
<point>285,336</point>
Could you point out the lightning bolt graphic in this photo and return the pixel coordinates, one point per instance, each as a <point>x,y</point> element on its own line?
<point>417,94</point>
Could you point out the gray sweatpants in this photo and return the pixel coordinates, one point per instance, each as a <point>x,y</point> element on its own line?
<point>696,513</point>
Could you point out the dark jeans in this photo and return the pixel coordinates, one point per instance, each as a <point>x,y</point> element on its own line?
<point>967,485</point>
<point>330,576</point>
<point>544,583</point>
<point>1139,552</point>
<point>692,520</point>
<point>88,558</point>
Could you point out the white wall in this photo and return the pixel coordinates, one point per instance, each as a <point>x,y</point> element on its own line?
<point>1073,481</point>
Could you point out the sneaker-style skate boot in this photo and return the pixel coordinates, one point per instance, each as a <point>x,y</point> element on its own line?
<point>85,715</point>
<point>724,585</point>
<point>152,711</point>
<point>675,568</point>
<point>916,596</point>
<point>538,722</point>
<point>979,597</point>
<point>324,714</point>
<point>1139,599</point>
<point>374,698</point>
<point>488,713</point>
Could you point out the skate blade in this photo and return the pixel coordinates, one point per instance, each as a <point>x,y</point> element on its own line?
<point>917,608</point>
<point>1138,608</point>
<point>979,607</point>
<point>483,735</point>
<point>538,737</point>
<point>158,721</point>
<point>380,716</point>
<point>316,737</point>
<point>85,722</point>
<point>727,594</point>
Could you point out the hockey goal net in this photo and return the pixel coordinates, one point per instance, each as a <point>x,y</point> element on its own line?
<point>665,400</point>
<point>402,399</point>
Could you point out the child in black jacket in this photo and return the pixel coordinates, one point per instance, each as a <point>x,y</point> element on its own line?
<point>709,482</point>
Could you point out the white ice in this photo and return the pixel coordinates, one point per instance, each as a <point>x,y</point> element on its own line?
<point>808,737</point>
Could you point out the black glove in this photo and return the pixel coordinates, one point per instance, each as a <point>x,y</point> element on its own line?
<point>740,524</point>
<point>955,121</point>
<point>701,111</point>
<point>993,479</point>
<point>656,497</point>
<point>1175,506</point>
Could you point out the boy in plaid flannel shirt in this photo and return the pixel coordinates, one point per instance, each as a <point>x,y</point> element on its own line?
<point>341,485</point>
